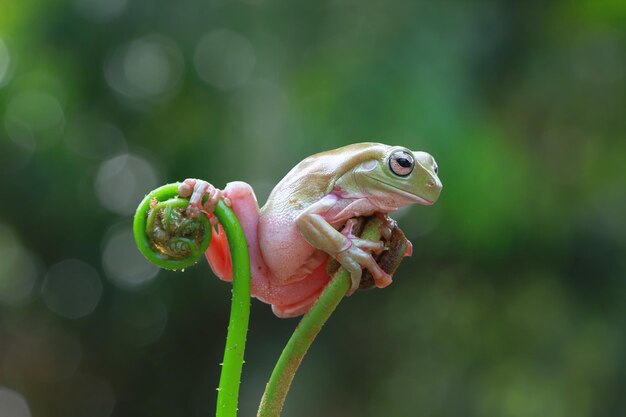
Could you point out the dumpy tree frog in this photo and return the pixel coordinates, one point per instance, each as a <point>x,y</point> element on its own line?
<point>291,238</point>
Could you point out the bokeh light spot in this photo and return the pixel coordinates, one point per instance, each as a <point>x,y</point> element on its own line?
<point>260,108</point>
<point>21,135</point>
<point>144,318</point>
<point>224,59</point>
<point>34,119</point>
<point>147,68</point>
<point>37,110</point>
<point>91,397</point>
<point>19,270</point>
<point>72,289</point>
<point>123,181</point>
<point>18,279</point>
<point>89,136</point>
<point>42,352</point>
<point>13,404</point>
<point>123,263</point>
<point>8,248</point>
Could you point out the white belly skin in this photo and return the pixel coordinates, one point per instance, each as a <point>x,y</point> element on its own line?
<point>284,249</point>
<point>293,295</point>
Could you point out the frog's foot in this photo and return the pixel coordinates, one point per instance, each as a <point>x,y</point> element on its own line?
<point>388,225</point>
<point>409,248</point>
<point>354,259</point>
<point>374,246</point>
<point>196,189</point>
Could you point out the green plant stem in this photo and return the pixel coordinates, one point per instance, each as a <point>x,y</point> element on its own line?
<point>228,391</point>
<point>305,333</point>
<point>167,199</point>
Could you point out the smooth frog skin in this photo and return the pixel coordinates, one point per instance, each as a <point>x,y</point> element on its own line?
<point>292,236</point>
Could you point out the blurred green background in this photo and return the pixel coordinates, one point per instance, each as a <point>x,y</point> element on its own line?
<point>513,303</point>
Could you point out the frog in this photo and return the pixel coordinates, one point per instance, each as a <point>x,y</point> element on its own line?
<point>307,217</point>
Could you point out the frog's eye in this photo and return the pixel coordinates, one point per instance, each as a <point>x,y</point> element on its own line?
<point>401,163</point>
<point>436,169</point>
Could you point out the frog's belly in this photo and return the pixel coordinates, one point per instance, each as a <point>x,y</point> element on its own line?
<point>287,254</point>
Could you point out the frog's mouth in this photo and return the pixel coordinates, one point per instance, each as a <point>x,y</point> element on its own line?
<point>413,197</point>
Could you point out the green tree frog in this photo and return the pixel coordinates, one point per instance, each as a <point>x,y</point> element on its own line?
<point>291,238</point>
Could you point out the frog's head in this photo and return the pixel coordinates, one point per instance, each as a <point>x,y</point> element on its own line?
<point>399,177</point>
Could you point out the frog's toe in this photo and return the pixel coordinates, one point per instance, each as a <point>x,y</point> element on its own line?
<point>363,259</point>
<point>376,246</point>
<point>388,225</point>
<point>409,248</point>
<point>214,197</point>
<point>355,280</point>
<point>382,279</point>
<point>350,225</point>
<point>354,260</point>
<point>196,189</point>
<point>185,188</point>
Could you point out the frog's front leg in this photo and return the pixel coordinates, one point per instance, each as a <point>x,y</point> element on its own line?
<point>347,249</point>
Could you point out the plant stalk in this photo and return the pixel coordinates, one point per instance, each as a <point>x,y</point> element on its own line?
<point>303,336</point>
<point>166,199</point>
<point>230,378</point>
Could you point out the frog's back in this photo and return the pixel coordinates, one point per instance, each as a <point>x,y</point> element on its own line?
<point>315,177</point>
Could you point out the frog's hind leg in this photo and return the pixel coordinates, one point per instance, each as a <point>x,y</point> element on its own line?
<point>295,310</point>
<point>297,298</point>
<point>218,255</point>
<point>243,202</point>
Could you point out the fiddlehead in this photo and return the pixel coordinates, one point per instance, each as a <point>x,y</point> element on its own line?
<point>165,234</point>
<point>171,240</point>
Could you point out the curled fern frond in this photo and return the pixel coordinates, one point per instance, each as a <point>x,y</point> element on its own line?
<point>172,240</point>
<point>165,235</point>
